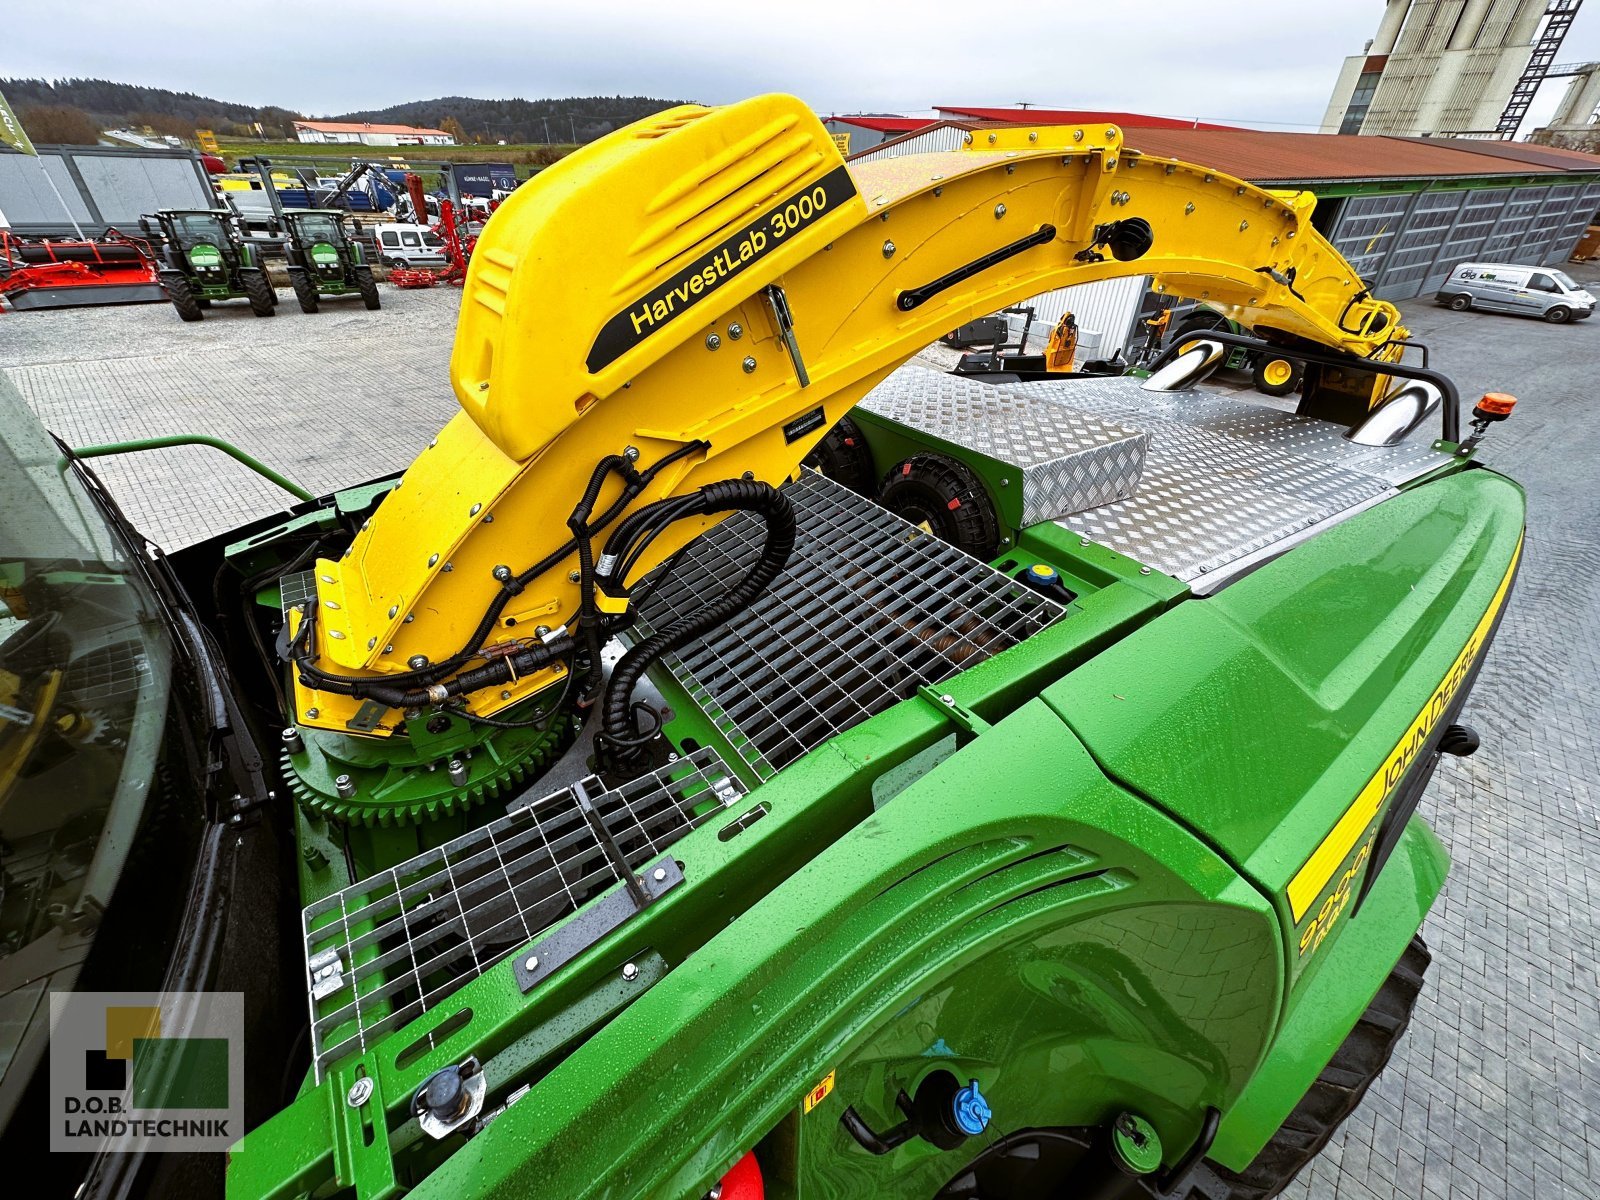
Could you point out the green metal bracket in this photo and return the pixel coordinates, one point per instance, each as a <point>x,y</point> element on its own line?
<point>957,714</point>
<point>196,439</point>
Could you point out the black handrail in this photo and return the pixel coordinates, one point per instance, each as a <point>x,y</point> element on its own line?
<point>1450,409</point>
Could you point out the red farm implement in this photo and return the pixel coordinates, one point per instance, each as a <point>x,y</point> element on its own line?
<point>66,273</point>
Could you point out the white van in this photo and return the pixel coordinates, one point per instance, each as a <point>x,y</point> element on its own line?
<point>410,246</point>
<point>1503,287</point>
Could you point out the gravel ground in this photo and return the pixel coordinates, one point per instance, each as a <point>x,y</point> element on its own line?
<point>1494,1093</point>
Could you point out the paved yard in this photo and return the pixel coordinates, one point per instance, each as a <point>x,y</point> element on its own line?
<point>1496,1091</point>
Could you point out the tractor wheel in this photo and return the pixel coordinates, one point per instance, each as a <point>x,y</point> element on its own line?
<point>369,289</point>
<point>1275,376</point>
<point>203,302</point>
<point>259,290</point>
<point>304,290</point>
<point>182,296</point>
<point>1340,1087</point>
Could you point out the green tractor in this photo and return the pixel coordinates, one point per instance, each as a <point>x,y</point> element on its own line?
<point>205,257</point>
<point>324,260</point>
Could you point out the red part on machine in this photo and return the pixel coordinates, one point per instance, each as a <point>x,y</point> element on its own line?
<point>67,273</point>
<point>744,1181</point>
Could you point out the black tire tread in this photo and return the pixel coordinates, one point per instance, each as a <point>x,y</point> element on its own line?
<point>258,289</point>
<point>182,296</point>
<point>305,291</point>
<point>1339,1088</point>
<point>368,288</point>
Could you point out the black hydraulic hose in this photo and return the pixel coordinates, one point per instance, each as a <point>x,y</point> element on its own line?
<point>728,496</point>
<point>424,677</point>
<point>500,670</point>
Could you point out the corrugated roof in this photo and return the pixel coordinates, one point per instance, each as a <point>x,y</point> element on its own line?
<point>1265,157</point>
<point>1073,116</point>
<point>365,127</point>
<point>1522,152</point>
<point>884,124</point>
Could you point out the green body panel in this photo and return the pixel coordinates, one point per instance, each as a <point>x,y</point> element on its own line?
<point>1256,717</point>
<point>1059,890</point>
<point>1345,975</point>
<point>1065,881</point>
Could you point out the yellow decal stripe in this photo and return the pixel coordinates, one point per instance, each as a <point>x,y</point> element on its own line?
<point>1309,881</point>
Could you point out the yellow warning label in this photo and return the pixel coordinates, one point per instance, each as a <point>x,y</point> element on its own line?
<point>819,1093</point>
<point>1325,860</point>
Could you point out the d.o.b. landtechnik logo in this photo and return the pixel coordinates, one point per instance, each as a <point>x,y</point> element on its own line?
<point>146,1071</point>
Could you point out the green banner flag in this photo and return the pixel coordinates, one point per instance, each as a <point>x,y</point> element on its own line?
<point>11,131</point>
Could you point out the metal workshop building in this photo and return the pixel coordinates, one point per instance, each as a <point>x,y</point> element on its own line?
<point>1404,211</point>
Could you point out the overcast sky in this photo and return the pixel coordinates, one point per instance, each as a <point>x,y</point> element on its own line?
<point>1264,62</point>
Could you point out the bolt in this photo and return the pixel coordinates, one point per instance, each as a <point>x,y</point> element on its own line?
<point>1005,483</point>
<point>488,518</point>
<point>505,694</point>
<point>502,573</point>
<point>630,972</point>
<point>541,630</point>
<point>410,617</point>
<point>999,211</point>
<point>749,365</point>
<point>531,963</point>
<point>993,138</point>
<point>313,713</point>
<point>631,453</point>
<point>474,510</point>
<point>372,643</point>
<point>1077,135</point>
<point>712,341</point>
<point>389,649</point>
<point>575,576</point>
<point>1243,225</point>
<point>292,741</point>
<point>433,560</point>
<point>447,568</point>
<point>948,699</point>
<point>659,874</point>
<point>314,858</point>
<point>736,331</point>
<point>1034,136</point>
<point>966,139</point>
<point>417,661</point>
<point>394,611</point>
<point>1111,133</point>
<point>888,249</point>
<point>458,772</point>
<point>345,786</point>
<point>1188,209</point>
<point>360,1092</point>
<point>336,634</point>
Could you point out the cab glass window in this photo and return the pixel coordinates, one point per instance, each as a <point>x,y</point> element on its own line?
<point>1543,283</point>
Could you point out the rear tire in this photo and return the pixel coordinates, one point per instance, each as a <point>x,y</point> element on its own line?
<point>1339,1089</point>
<point>182,297</point>
<point>259,290</point>
<point>1559,315</point>
<point>1460,303</point>
<point>304,290</point>
<point>369,289</point>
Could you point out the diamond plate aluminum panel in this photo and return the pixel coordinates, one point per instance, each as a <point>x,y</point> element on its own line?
<point>1066,461</point>
<point>1226,480</point>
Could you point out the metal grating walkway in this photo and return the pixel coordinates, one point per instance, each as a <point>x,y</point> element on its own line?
<point>868,609</point>
<point>386,950</point>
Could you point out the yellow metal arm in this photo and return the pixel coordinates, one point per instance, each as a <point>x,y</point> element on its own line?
<point>720,276</point>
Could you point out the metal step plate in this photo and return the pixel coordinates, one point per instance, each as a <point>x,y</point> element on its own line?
<point>869,608</point>
<point>386,950</point>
